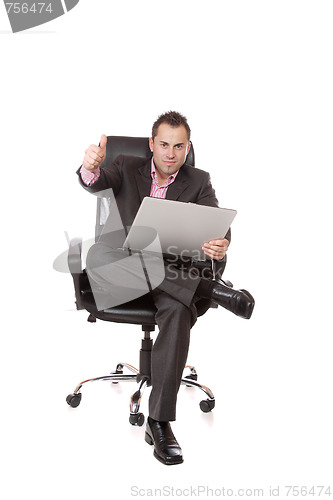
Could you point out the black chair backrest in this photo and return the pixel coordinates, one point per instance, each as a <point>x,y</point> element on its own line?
<point>132,146</point>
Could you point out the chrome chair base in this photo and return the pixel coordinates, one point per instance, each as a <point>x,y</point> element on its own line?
<point>136,417</point>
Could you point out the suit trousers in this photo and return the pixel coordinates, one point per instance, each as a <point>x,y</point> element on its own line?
<point>116,277</point>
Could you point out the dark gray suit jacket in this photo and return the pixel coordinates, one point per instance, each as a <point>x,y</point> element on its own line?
<point>130,179</point>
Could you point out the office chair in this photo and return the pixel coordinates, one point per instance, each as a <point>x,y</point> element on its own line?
<point>140,311</point>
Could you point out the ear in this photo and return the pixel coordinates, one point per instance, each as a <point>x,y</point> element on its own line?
<point>188,147</point>
<point>151,143</point>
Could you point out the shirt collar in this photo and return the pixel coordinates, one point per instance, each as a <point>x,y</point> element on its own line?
<point>169,180</point>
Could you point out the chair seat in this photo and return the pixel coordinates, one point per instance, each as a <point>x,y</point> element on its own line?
<point>138,311</point>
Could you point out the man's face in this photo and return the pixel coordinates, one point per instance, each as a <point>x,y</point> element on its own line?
<point>170,147</point>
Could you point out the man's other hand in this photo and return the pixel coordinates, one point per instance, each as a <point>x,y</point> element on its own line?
<point>95,155</point>
<point>216,249</point>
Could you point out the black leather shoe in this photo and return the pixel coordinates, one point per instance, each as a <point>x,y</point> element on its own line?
<point>239,302</point>
<point>166,448</point>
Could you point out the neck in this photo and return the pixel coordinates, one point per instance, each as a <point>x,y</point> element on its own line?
<point>161,177</point>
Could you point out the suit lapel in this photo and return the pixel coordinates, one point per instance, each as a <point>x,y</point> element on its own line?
<point>178,186</point>
<point>143,179</point>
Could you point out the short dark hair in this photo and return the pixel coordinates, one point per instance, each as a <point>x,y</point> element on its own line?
<point>172,118</point>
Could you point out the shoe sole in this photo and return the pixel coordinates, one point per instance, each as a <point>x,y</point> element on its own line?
<point>250,309</point>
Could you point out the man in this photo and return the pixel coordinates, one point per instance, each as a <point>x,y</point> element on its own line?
<point>165,175</point>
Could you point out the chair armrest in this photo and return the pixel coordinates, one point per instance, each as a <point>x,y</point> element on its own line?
<point>75,256</point>
<point>75,267</point>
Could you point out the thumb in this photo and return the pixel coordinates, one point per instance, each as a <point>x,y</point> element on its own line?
<point>103,141</point>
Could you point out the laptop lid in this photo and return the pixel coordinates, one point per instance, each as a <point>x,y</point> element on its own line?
<point>181,227</point>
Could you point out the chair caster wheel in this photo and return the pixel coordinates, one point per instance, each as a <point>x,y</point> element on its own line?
<point>74,399</point>
<point>206,405</point>
<point>137,419</point>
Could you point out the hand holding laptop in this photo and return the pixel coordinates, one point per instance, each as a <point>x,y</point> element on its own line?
<point>216,249</point>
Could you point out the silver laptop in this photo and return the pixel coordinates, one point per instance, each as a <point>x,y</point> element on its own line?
<point>175,227</point>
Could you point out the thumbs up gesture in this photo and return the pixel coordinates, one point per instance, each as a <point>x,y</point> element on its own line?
<point>95,155</point>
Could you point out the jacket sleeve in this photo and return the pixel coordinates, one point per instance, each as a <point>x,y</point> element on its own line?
<point>207,194</point>
<point>207,197</point>
<point>110,177</point>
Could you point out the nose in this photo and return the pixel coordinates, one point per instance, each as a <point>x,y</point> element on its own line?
<point>170,153</point>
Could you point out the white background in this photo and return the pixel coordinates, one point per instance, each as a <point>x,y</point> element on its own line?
<point>255,80</point>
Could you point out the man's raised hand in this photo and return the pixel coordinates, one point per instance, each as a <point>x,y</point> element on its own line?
<point>95,155</point>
